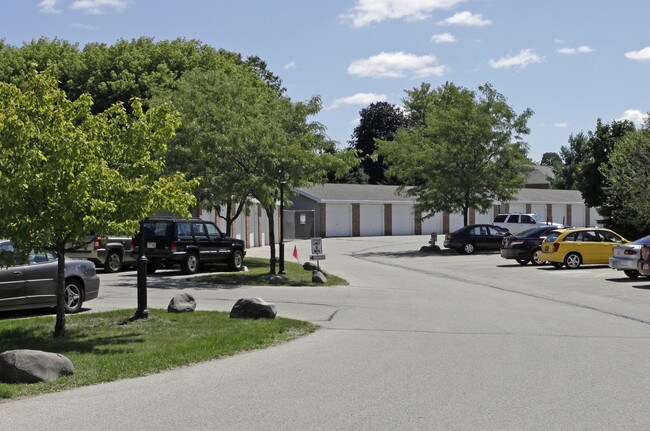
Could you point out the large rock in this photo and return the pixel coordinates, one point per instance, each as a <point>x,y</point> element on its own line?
<point>33,366</point>
<point>277,280</point>
<point>253,308</point>
<point>318,277</point>
<point>309,266</point>
<point>182,303</point>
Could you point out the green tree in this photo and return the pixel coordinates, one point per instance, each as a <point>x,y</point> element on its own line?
<point>550,159</point>
<point>378,121</point>
<point>65,172</point>
<point>627,197</point>
<point>465,151</point>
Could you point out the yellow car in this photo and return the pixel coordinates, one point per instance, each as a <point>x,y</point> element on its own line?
<point>573,247</point>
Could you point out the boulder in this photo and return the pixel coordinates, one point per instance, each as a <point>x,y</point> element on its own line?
<point>33,366</point>
<point>181,303</point>
<point>309,266</point>
<point>276,279</point>
<point>318,277</point>
<point>253,308</point>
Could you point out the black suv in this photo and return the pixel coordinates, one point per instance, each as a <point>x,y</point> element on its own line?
<point>190,243</point>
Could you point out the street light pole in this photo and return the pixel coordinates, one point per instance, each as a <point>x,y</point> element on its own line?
<point>283,180</point>
<point>142,311</point>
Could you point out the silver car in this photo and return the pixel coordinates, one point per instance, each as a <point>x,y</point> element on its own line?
<point>625,256</point>
<point>31,282</point>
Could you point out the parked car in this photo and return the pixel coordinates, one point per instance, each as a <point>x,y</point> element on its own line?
<point>643,264</point>
<point>189,243</point>
<point>517,223</point>
<point>474,237</point>
<point>113,253</point>
<point>31,282</point>
<point>625,256</point>
<point>526,246</point>
<point>574,247</point>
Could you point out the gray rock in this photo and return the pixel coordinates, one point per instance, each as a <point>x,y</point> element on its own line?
<point>309,266</point>
<point>276,279</point>
<point>253,308</point>
<point>181,303</point>
<point>33,366</point>
<point>318,277</point>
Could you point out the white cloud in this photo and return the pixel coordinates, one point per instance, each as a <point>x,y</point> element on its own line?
<point>366,12</point>
<point>466,18</point>
<point>443,38</point>
<point>83,26</point>
<point>583,49</point>
<point>523,59</point>
<point>642,55</point>
<point>396,65</point>
<point>290,65</point>
<point>358,99</point>
<point>634,115</point>
<point>562,125</point>
<point>97,7</point>
<point>48,6</point>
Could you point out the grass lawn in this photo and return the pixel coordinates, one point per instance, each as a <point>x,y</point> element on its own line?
<point>108,346</point>
<point>258,275</point>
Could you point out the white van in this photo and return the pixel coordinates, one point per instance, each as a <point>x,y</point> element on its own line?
<point>517,222</point>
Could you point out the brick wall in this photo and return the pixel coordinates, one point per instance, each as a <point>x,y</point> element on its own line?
<point>388,219</point>
<point>323,220</point>
<point>356,220</point>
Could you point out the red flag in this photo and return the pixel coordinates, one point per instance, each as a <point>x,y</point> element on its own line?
<point>295,253</point>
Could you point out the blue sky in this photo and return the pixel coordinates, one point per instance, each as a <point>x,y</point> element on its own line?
<point>570,61</point>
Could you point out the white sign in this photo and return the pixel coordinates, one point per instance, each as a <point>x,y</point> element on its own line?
<point>316,246</point>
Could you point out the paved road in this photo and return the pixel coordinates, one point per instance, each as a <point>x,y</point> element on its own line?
<point>417,341</point>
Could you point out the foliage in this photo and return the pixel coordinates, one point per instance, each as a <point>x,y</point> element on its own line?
<point>109,346</point>
<point>627,196</point>
<point>550,159</point>
<point>464,149</point>
<point>65,172</point>
<point>379,121</point>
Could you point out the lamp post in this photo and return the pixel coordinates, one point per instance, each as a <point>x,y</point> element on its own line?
<point>142,311</point>
<point>284,177</point>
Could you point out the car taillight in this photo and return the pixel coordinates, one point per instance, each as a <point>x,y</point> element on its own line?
<point>450,236</point>
<point>556,246</point>
<point>132,244</point>
<point>98,243</point>
<point>630,252</point>
<point>174,247</point>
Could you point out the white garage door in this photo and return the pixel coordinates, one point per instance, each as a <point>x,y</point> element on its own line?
<point>338,220</point>
<point>371,220</point>
<point>432,224</point>
<point>456,221</point>
<point>403,221</point>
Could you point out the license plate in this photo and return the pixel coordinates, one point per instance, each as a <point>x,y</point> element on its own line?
<point>646,266</point>
<point>151,245</point>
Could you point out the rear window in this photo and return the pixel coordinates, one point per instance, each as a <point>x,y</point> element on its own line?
<point>552,236</point>
<point>644,240</point>
<point>500,218</point>
<point>157,229</point>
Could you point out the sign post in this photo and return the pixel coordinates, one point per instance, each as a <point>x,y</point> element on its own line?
<point>317,251</point>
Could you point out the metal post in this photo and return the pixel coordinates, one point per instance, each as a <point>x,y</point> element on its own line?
<point>281,271</point>
<point>142,311</point>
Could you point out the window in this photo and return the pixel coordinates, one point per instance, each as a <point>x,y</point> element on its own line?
<point>513,219</point>
<point>588,236</point>
<point>527,219</point>
<point>184,229</point>
<point>198,229</point>
<point>570,237</point>
<point>495,230</point>
<point>500,218</point>
<point>609,237</point>
<point>212,229</point>
<point>479,231</point>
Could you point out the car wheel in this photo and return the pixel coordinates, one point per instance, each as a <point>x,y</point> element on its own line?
<point>236,261</point>
<point>72,296</point>
<point>113,262</point>
<point>632,273</point>
<point>468,248</point>
<point>557,264</point>
<point>535,258</point>
<point>522,261</point>
<point>573,261</point>
<point>190,264</point>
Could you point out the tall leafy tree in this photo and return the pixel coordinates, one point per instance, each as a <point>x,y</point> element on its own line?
<point>464,151</point>
<point>378,121</point>
<point>550,159</point>
<point>627,197</point>
<point>65,171</point>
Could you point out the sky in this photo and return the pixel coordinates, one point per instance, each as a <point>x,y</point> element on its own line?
<point>570,61</point>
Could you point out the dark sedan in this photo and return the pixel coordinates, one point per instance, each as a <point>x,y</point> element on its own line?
<point>526,246</point>
<point>30,282</point>
<point>475,237</point>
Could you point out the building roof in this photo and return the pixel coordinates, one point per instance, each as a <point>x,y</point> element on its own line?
<point>540,175</point>
<point>371,193</point>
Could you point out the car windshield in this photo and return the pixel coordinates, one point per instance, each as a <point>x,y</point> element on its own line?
<point>644,240</point>
<point>538,218</point>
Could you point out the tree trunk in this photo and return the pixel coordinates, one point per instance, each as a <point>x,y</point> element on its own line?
<point>270,212</point>
<point>228,219</point>
<point>59,327</point>
<point>465,215</point>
